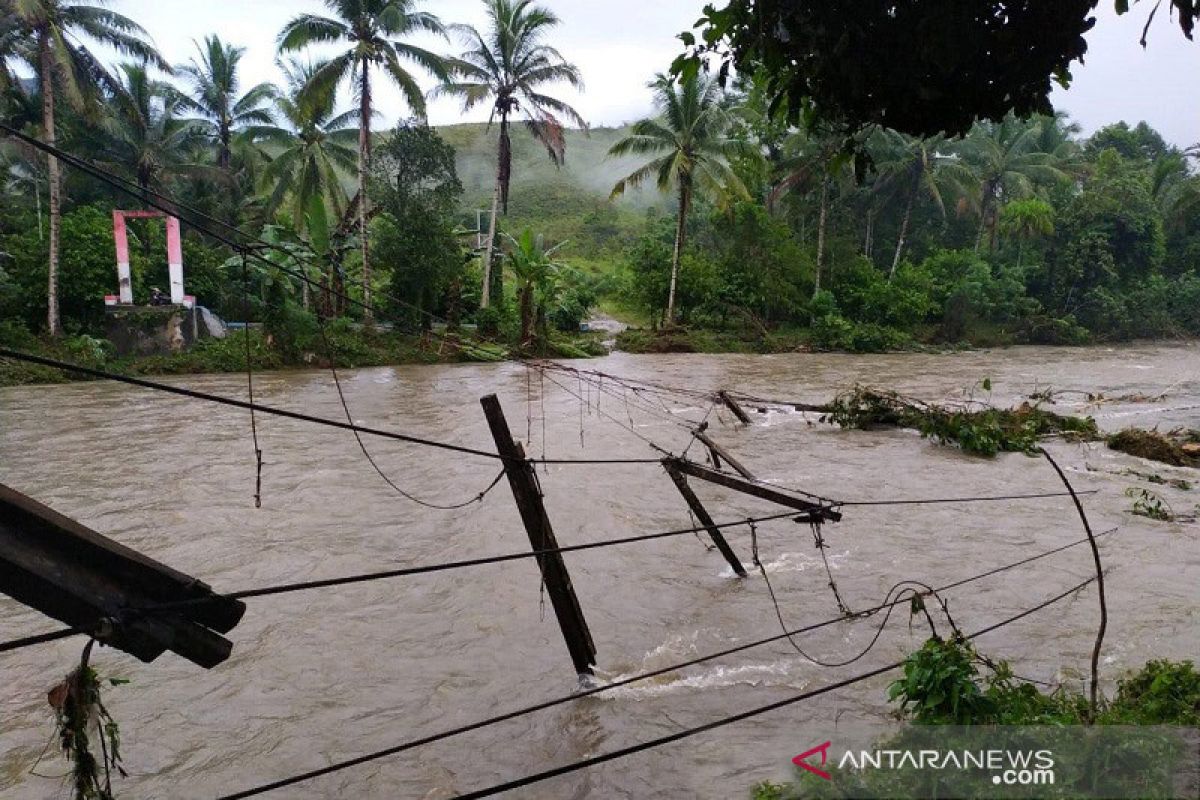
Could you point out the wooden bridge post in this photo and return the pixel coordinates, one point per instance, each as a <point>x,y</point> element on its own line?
<point>701,514</point>
<point>528,496</point>
<point>720,452</point>
<point>733,406</point>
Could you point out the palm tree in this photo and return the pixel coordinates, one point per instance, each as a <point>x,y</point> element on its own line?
<point>1027,220</point>
<point>57,29</point>
<point>811,162</point>
<point>371,29</point>
<point>309,156</point>
<point>1008,164</point>
<point>10,44</point>
<point>690,133</point>
<point>214,83</point>
<point>912,167</point>
<point>508,68</point>
<point>142,132</point>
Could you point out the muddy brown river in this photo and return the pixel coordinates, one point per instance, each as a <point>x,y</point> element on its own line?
<point>322,676</point>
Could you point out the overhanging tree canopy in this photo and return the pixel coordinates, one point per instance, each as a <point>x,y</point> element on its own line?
<point>923,67</point>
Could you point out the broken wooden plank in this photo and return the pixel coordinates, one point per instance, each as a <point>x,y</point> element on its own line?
<point>707,521</point>
<point>528,496</point>
<point>67,571</point>
<point>818,512</point>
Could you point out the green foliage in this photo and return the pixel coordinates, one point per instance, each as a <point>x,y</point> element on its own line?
<point>943,684</point>
<point>939,685</point>
<point>1110,237</point>
<point>87,268</point>
<point>1149,504</point>
<point>488,320</point>
<point>923,69</point>
<point>1162,692</point>
<point>80,714</point>
<point>983,431</point>
<point>1019,232</point>
<point>759,267</point>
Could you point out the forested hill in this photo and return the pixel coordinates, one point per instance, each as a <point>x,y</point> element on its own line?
<point>555,198</point>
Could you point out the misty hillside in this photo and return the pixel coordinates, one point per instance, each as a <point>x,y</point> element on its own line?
<point>568,203</point>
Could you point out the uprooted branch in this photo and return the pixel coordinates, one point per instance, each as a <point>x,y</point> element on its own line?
<point>985,431</point>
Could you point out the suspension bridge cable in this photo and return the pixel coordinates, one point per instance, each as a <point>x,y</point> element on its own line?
<point>28,641</point>
<point>449,565</point>
<point>172,206</point>
<point>754,712</point>
<point>41,638</point>
<point>296,415</point>
<point>341,765</point>
<point>402,572</point>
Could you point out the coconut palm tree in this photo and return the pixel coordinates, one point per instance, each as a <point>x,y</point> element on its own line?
<point>810,163</point>
<point>1008,164</point>
<point>371,30</point>
<point>57,30</point>
<point>911,167</point>
<point>690,134</point>
<point>309,154</point>
<point>1027,220</point>
<point>10,42</point>
<point>212,78</point>
<point>142,132</point>
<point>508,67</point>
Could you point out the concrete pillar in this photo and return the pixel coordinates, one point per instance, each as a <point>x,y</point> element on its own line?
<point>121,238</point>
<point>175,260</point>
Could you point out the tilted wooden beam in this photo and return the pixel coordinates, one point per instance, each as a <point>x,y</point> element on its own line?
<point>721,453</point>
<point>67,571</point>
<point>706,520</point>
<point>528,496</point>
<point>817,511</point>
<point>733,406</point>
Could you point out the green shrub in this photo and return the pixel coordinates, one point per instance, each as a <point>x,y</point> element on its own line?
<point>832,332</point>
<point>488,321</point>
<point>1162,692</point>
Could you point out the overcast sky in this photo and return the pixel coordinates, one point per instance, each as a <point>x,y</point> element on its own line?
<point>620,44</point>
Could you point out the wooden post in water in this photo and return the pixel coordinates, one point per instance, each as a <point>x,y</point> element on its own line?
<point>733,406</point>
<point>720,452</point>
<point>528,496</point>
<point>701,514</point>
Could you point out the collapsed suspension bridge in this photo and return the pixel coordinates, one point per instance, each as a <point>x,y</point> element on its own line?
<point>120,598</point>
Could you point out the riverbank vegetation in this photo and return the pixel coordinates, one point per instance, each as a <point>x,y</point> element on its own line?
<point>947,682</point>
<point>715,224</point>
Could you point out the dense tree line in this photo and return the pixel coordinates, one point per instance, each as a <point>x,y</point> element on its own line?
<point>865,238</point>
<point>1020,230</point>
<point>288,161</point>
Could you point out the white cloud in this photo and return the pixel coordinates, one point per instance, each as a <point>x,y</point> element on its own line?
<point>620,44</point>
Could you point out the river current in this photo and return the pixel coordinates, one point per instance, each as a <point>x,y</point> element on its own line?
<point>321,676</point>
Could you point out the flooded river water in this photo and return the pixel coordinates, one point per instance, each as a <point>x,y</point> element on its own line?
<point>321,676</point>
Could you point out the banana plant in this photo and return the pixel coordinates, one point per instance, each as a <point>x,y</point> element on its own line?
<point>538,277</point>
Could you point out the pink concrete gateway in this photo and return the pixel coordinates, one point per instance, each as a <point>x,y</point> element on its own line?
<point>174,257</point>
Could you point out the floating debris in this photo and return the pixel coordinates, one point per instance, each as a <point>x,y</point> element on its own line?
<point>1179,448</point>
<point>984,431</point>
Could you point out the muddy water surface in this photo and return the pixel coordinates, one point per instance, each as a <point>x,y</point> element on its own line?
<point>321,676</point>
